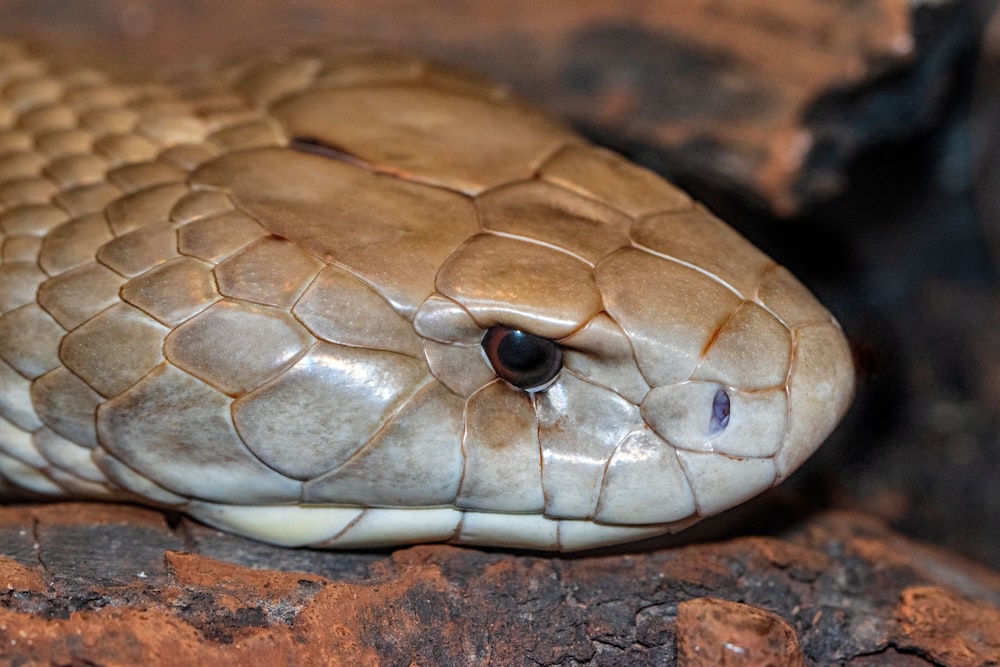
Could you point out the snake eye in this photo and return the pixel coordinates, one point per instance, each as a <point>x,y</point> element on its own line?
<point>527,361</point>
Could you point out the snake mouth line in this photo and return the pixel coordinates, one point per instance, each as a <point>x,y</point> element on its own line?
<point>325,149</point>
<point>314,146</point>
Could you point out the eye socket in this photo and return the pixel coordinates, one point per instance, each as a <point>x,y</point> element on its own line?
<point>720,412</point>
<point>527,361</point>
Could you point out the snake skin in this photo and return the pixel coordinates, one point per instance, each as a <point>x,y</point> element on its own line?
<point>257,294</point>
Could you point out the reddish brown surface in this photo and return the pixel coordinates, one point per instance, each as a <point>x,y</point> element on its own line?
<point>947,627</point>
<point>834,590</point>
<point>718,633</point>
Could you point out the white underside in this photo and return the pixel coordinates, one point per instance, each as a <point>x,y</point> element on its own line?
<point>344,527</point>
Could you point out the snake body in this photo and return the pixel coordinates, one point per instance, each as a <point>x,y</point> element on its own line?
<point>356,299</point>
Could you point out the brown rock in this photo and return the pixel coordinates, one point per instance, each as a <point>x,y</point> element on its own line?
<point>951,630</point>
<point>719,633</point>
<point>16,577</point>
<point>838,588</point>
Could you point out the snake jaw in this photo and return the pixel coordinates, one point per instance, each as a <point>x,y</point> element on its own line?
<point>268,309</point>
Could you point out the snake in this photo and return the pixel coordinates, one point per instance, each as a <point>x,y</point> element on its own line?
<point>347,297</point>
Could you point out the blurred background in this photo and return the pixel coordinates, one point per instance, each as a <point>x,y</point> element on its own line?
<point>853,140</point>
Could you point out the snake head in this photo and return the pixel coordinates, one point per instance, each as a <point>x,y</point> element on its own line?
<point>658,368</point>
<point>523,339</point>
<point>576,357</point>
<point>364,301</point>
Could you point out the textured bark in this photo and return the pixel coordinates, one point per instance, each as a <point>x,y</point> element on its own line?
<point>112,585</point>
<point>767,100</point>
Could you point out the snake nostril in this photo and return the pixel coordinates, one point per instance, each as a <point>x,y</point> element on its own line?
<point>720,412</point>
<point>526,361</point>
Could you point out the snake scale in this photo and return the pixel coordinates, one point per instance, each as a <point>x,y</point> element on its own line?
<point>353,298</point>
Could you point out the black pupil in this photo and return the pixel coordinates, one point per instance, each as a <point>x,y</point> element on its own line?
<point>526,361</point>
<point>522,353</point>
